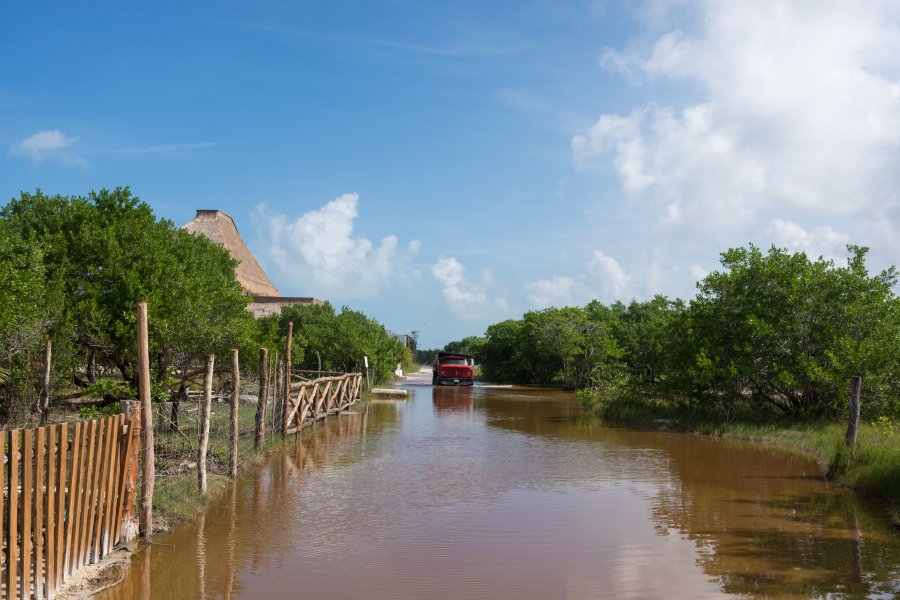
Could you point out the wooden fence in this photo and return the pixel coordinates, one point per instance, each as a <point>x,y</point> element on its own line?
<point>63,504</point>
<point>311,400</point>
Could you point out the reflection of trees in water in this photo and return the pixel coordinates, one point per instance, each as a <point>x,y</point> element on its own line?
<point>760,533</point>
<point>248,527</point>
<point>761,519</point>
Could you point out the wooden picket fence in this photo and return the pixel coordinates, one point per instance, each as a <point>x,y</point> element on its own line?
<point>63,500</point>
<point>311,400</point>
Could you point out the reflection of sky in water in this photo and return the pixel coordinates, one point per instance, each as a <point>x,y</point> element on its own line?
<point>462,493</point>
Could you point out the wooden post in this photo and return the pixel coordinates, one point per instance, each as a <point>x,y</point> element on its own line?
<point>235,401</point>
<point>45,392</point>
<point>286,381</point>
<point>149,471</point>
<point>853,423</point>
<point>129,525</point>
<point>274,395</point>
<point>262,398</point>
<point>205,404</point>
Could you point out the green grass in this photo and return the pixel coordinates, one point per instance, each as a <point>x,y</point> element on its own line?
<point>176,495</point>
<point>177,498</point>
<point>872,469</point>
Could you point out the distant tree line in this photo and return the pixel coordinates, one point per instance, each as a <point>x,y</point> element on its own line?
<point>335,341</point>
<point>74,267</point>
<point>775,331</point>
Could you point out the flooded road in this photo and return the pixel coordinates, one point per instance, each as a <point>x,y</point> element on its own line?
<point>507,493</point>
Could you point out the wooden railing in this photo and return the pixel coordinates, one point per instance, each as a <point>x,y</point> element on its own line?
<point>310,401</point>
<point>62,504</point>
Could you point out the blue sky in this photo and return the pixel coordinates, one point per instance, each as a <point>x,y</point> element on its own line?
<point>443,166</point>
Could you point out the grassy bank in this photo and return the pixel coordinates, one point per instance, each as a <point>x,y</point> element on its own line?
<point>176,497</point>
<point>873,469</point>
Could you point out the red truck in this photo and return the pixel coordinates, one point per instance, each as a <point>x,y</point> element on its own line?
<point>453,369</point>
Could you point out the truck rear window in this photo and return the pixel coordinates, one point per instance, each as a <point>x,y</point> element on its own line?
<point>454,361</point>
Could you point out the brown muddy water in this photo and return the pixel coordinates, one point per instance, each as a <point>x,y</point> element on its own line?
<point>507,493</point>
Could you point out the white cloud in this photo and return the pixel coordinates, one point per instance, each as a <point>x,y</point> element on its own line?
<point>603,279</point>
<point>467,300</point>
<point>698,272</point>
<point>799,110</point>
<point>318,254</point>
<point>557,291</point>
<point>48,145</point>
<point>821,241</point>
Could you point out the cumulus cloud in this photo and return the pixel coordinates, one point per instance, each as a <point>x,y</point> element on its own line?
<point>821,241</point>
<point>603,279</point>
<point>799,111</point>
<point>698,272</point>
<point>318,253</point>
<point>48,145</point>
<point>466,299</point>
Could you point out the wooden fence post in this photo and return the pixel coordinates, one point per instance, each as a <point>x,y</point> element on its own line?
<point>132,410</point>
<point>45,392</point>
<point>286,381</point>
<point>235,405</point>
<point>274,367</point>
<point>204,423</point>
<point>853,423</point>
<point>149,470</point>
<point>262,399</point>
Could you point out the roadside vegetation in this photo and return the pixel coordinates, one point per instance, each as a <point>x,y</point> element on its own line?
<point>764,351</point>
<point>74,267</point>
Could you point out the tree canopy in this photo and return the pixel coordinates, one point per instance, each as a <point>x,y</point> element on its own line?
<point>79,266</point>
<point>337,340</point>
<point>774,330</point>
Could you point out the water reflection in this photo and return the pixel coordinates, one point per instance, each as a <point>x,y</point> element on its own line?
<point>453,399</point>
<point>498,493</point>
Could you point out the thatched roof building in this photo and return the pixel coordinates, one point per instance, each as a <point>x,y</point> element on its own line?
<point>220,228</point>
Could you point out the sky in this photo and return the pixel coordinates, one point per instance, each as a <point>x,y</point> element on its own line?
<point>445,166</point>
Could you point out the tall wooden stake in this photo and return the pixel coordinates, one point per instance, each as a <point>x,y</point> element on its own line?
<point>149,470</point>
<point>273,365</point>
<point>206,402</point>
<point>45,392</point>
<point>262,398</point>
<point>132,410</point>
<point>853,423</point>
<point>235,401</point>
<point>286,381</point>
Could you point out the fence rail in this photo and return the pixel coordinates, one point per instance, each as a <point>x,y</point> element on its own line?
<point>310,401</point>
<point>62,502</point>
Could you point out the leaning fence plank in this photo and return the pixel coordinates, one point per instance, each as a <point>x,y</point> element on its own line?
<point>12,549</point>
<point>111,487</point>
<point>97,490</point>
<point>84,499</point>
<point>100,486</point>
<point>94,488</point>
<point>62,465</point>
<point>112,433</point>
<point>27,508</point>
<point>39,499</point>
<point>74,497</point>
<point>103,509</point>
<point>50,530</point>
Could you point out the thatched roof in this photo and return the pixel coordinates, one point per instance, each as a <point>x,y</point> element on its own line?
<point>220,228</point>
